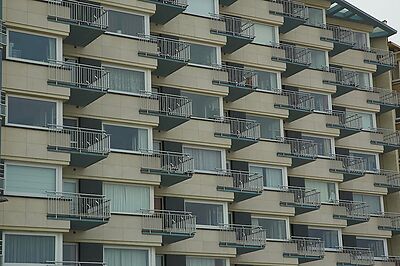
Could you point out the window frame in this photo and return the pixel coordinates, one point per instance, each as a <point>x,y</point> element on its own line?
<point>326,59</point>
<point>225,215</point>
<point>374,122</point>
<point>385,245</point>
<point>336,190</point>
<point>284,175</point>
<point>150,251</point>
<point>278,81</point>
<point>367,37</point>
<point>223,157</point>
<point>218,55</point>
<point>216,8</point>
<point>220,103</point>
<point>281,128</point>
<point>287,225</point>
<point>340,236</point>
<point>381,202</point>
<point>376,155</point>
<point>146,23</point>
<point>275,32</point>
<point>226,260</point>
<point>331,140</point>
<point>323,16</point>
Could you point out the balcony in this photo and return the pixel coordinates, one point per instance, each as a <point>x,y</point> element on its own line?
<point>244,185</point>
<point>3,106</point>
<point>387,99</point>
<point>171,54</point>
<point>390,222</point>
<point>226,2</point>
<point>2,185</point>
<point>383,59</point>
<point>173,167</point>
<point>74,263</point>
<point>86,83</point>
<point>346,123</point>
<point>173,226</point>
<point>353,256</point>
<point>84,211</point>
<point>299,104</point>
<point>245,238</point>
<point>305,249</point>
<point>342,39</point>
<point>294,14</point>
<point>296,58</point>
<point>238,31</point>
<point>240,81</point>
<point>302,199</point>
<point>301,151</point>
<point>389,139</point>
<point>85,146</point>
<point>3,34</point>
<point>166,10</point>
<point>387,179</point>
<point>172,110</point>
<point>354,212</point>
<point>241,132</point>
<point>351,167</point>
<point>87,21</point>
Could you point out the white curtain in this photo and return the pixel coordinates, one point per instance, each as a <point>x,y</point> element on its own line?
<point>364,80</point>
<point>374,202</point>
<point>267,81</point>
<point>125,257</point>
<point>143,139</point>
<point>273,177</point>
<point>198,261</point>
<point>201,7</point>
<point>127,198</point>
<point>318,59</point>
<point>51,52</point>
<point>29,248</point>
<point>206,160</point>
<point>276,228</point>
<point>264,34</point>
<point>327,190</point>
<point>315,17</point>
<point>126,80</point>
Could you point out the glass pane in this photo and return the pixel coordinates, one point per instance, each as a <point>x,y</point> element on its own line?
<point>330,237</point>
<point>367,119</point>
<point>127,198</point>
<point>35,112</point>
<point>70,186</point>
<point>198,261</point>
<point>128,138</point>
<point>276,229</point>
<point>203,55</point>
<point>205,160</point>
<point>124,23</point>
<point>206,214</point>
<point>31,47</point>
<point>264,34</point>
<point>321,102</point>
<point>364,80</point>
<point>361,40</point>
<point>126,80</point>
<point>270,127</point>
<point>204,106</point>
<point>318,59</point>
<point>267,81</point>
<point>374,202</point>
<point>29,248</point>
<point>324,145</point>
<point>371,163</point>
<point>201,7</point>
<point>327,190</point>
<point>316,17</point>
<point>70,252</point>
<point>123,257</point>
<point>377,246</point>
<point>273,177</point>
<point>159,260</point>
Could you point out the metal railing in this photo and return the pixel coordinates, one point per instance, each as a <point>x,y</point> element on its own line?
<point>3,33</point>
<point>289,8</point>
<point>235,76</point>
<point>164,48</point>
<point>241,180</point>
<point>180,3</point>
<point>2,103</point>
<point>340,34</point>
<point>301,147</point>
<point>2,180</point>
<point>387,178</point>
<point>238,128</point>
<point>350,164</point>
<point>380,56</point>
<point>66,138</point>
<point>305,246</point>
<point>389,220</point>
<point>386,96</point>
<point>385,135</point>
<point>355,256</point>
<point>168,222</point>
<point>396,72</point>
<point>343,119</point>
<point>166,104</point>
<point>74,263</point>
<point>390,259</point>
<point>78,75</point>
<point>291,54</point>
<point>351,209</point>
<point>78,205</point>
<point>233,26</point>
<point>168,162</point>
<point>301,196</point>
<point>345,78</point>
<point>77,12</point>
<point>242,235</point>
<point>297,100</point>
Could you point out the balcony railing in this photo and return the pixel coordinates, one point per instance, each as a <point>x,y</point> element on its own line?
<point>387,97</point>
<point>75,139</point>
<point>340,34</point>
<point>388,179</point>
<point>304,247</point>
<point>290,8</point>
<point>346,209</point>
<point>235,77</point>
<point>168,222</point>
<point>379,56</point>
<point>296,100</point>
<point>3,33</point>
<point>355,256</point>
<point>349,164</point>
<point>344,120</point>
<point>237,128</point>
<point>63,205</point>
<point>166,104</point>
<point>291,54</point>
<point>2,104</point>
<point>390,259</point>
<point>396,73</point>
<point>241,181</point>
<point>389,221</point>
<point>385,136</point>
<point>164,48</point>
<point>78,75</point>
<point>74,263</point>
<point>300,196</point>
<point>345,77</point>
<point>80,13</point>
<point>167,162</point>
<point>180,3</point>
<point>301,147</point>
<point>242,236</point>
<point>232,26</point>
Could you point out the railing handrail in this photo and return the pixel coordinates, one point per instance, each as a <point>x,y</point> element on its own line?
<point>234,25</point>
<point>62,63</point>
<point>55,127</point>
<point>155,152</point>
<point>341,34</point>
<point>62,193</point>
<point>240,127</point>
<point>292,8</point>
<point>182,3</point>
<point>292,53</point>
<point>151,211</point>
<point>76,263</point>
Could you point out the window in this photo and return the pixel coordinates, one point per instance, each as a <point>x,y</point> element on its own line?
<point>368,120</point>
<point>318,59</point>
<point>209,214</point>
<point>374,202</point>
<point>36,113</point>
<point>70,186</point>
<point>273,177</point>
<point>126,23</point>
<point>206,160</point>
<point>264,34</point>
<point>199,261</point>
<point>327,189</point>
<point>204,106</point>
<point>267,81</point>
<point>127,198</point>
<point>330,237</point>
<point>322,102</point>
<point>70,252</point>
<point>128,138</point>
<point>30,180</point>
<point>364,79</point>
<point>203,55</point>
<point>271,128</point>
<point>315,17</point>
<point>160,260</point>
<point>127,80</point>
<point>29,249</point>
<point>324,145</point>
<point>377,246</point>
<point>361,40</point>
<point>276,228</point>
<point>125,256</point>
<point>371,160</point>
<point>202,7</point>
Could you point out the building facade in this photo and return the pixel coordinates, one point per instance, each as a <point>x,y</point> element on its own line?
<point>197,133</point>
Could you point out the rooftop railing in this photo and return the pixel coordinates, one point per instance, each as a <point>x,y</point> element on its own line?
<point>168,222</point>
<point>351,209</point>
<point>301,196</point>
<point>232,26</point>
<point>241,181</point>
<point>305,247</point>
<point>238,128</point>
<point>291,54</point>
<point>350,164</point>
<point>355,256</point>
<point>301,147</point>
<point>242,235</point>
<point>168,162</point>
<point>166,104</point>
<point>290,8</point>
<point>164,48</point>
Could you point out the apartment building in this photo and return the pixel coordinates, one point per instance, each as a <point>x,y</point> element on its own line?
<point>197,133</point>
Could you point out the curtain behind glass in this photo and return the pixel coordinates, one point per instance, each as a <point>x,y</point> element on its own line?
<point>316,17</point>
<point>205,160</point>
<point>376,246</point>
<point>276,229</point>
<point>369,158</point>
<point>267,81</point>
<point>270,127</point>
<point>264,34</point>
<point>366,119</point>
<point>204,106</point>
<point>201,7</point>
<point>323,144</point>
<point>127,138</point>
<point>327,190</point>
<point>29,248</point>
<point>206,214</point>
<point>318,59</point>
<point>364,80</point>
<point>197,261</point>
<point>330,237</point>
<point>272,177</point>
<point>125,257</point>
<point>203,55</point>
<point>124,23</point>
<point>361,40</point>
<point>374,202</point>
<point>126,80</point>
<point>321,102</point>
<point>127,198</point>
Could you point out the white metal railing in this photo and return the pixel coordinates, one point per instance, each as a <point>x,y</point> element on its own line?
<point>387,96</point>
<point>355,256</point>
<point>168,222</point>
<point>164,48</point>
<point>385,135</point>
<point>78,75</point>
<point>343,119</point>
<point>3,33</point>
<point>165,161</point>
<point>380,56</point>
<point>389,220</point>
<point>345,77</point>
<point>2,103</point>
<point>235,76</point>
<point>241,180</point>
<point>388,260</point>
<point>291,54</point>
<point>2,180</point>
<point>301,147</point>
<point>297,100</point>
<point>351,209</point>
<point>66,138</point>
<point>242,235</point>
<point>387,178</point>
<point>77,12</point>
<point>300,196</point>
<point>350,163</point>
<point>238,128</point>
<point>180,3</point>
<point>166,104</point>
<point>78,205</point>
<point>340,34</point>
<point>289,8</point>
<point>74,263</point>
<point>305,246</point>
<point>233,26</point>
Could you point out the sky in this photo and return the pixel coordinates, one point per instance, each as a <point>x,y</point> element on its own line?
<point>383,10</point>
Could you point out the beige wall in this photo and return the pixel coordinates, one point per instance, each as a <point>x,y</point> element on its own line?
<point>325,217</point>
<point>313,124</point>
<point>368,229</point>
<point>356,100</point>
<point>360,142</point>
<point>318,169</point>
<point>308,36</point>
<point>352,59</point>
<point>364,184</point>
<point>310,79</point>
<point>330,259</point>
<point>134,5</point>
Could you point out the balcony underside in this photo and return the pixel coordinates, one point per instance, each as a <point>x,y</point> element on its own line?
<point>294,113</point>
<point>226,2</point>
<point>165,66</point>
<point>387,147</point>
<point>348,175</point>
<point>293,68</point>
<point>338,46</point>
<point>340,88</point>
<point>303,258</point>
<point>168,237</point>
<point>233,42</point>
<point>236,91</point>
<point>165,11</point>
<point>352,264</point>
<point>242,248</point>
<point>168,178</point>
<point>344,131</point>
<point>300,208</point>
<point>237,142</point>
<point>289,23</point>
<point>394,230</point>
<point>80,224</point>
<point>380,68</point>
<point>351,220</point>
<point>390,188</point>
<point>296,159</point>
<point>239,194</point>
<point>80,159</point>
<point>166,122</point>
<point>384,107</point>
